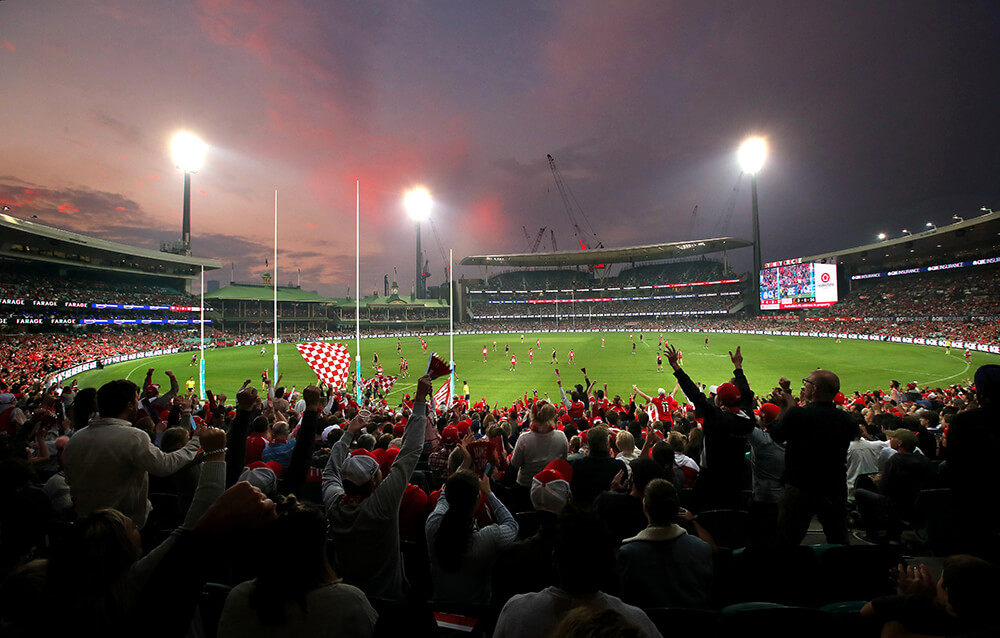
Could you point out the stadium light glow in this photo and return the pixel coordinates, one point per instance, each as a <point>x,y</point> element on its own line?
<point>932,225</point>
<point>988,210</point>
<point>958,218</point>
<point>418,203</point>
<point>752,154</point>
<point>189,155</point>
<point>188,152</point>
<point>882,236</point>
<point>907,232</point>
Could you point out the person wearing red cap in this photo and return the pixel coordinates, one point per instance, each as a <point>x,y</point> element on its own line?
<point>727,424</point>
<point>767,465</point>
<point>151,401</point>
<point>363,506</point>
<point>438,460</point>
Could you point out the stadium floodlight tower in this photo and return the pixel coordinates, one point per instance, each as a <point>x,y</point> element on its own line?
<point>189,155</point>
<point>418,206</point>
<point>751,155</point>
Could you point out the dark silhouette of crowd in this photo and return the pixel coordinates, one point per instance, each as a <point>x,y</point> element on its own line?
<point>138,509</point>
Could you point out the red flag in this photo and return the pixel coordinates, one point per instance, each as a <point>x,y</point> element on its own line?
<point>442,396</point>
<point>436,367</point>
<point>330,361</point>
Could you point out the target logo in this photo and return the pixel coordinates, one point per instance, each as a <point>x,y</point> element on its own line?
<point>825,278</point>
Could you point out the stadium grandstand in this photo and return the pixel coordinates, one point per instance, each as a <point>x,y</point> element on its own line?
<point>56,279</point>
<point>543,289</point>
<point>249,309</point>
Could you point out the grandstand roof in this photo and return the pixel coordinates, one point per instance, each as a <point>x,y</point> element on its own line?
<point>391,300</point>
<point>37,242</point>
<point>261,292</point>
<point>626,255</point>
<point>975,235</point>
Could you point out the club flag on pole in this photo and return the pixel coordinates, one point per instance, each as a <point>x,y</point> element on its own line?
<point>443,395</point>
<point>330,361</point>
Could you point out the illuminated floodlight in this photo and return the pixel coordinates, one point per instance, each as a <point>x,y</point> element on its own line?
<point>188,152</point>
<point>907,232</point>
<point>752,154</point>
<point>882,236</point>
<point>932,225</point>
<point>958,218</point>
<point>418,203</point>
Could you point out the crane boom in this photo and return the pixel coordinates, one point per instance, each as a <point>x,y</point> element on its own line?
<point>444,255</point>
<point>538,239</point>
<point>568,203</point>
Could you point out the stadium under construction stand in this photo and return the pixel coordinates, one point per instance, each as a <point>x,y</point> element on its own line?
<point>565,291</point>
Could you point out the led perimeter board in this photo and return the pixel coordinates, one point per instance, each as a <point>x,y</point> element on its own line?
<point>808,285</point>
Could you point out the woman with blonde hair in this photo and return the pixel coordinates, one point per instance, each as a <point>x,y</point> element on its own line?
<point>626,446</point>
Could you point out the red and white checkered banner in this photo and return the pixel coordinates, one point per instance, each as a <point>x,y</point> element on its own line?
<point>384,382</point>
<point>330,361</point>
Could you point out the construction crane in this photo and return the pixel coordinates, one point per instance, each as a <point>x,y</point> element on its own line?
<point>694,215</point>
<point>554,248</point>
<point>538,239</point>
<point>444,255</point>
<point>527,237</point>
<point>568,202</point>
<point>722,225</point>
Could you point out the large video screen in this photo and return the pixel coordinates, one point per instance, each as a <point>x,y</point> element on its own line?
<point>806,285</point>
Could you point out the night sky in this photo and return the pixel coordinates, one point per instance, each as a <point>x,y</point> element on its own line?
<point>879,116</point>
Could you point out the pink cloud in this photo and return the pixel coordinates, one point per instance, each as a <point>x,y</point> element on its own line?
<point>68,208</point>
<point>10,46</point>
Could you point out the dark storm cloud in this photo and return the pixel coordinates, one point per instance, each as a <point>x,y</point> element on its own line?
<point>127,133</point>
<point>79,208</point>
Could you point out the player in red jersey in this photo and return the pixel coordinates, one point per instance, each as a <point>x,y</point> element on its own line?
<point>484,354</point>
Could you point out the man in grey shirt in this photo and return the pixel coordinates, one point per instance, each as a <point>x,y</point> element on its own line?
<point>362,506</point>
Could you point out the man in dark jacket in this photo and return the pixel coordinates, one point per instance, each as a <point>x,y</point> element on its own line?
<point>593,473</point>
<point>727,424</point>
<point>816,437</point>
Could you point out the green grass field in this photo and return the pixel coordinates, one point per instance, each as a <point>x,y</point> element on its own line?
<point>862,365</point>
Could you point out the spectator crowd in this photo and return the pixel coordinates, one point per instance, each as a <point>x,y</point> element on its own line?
<point>279,512</point>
